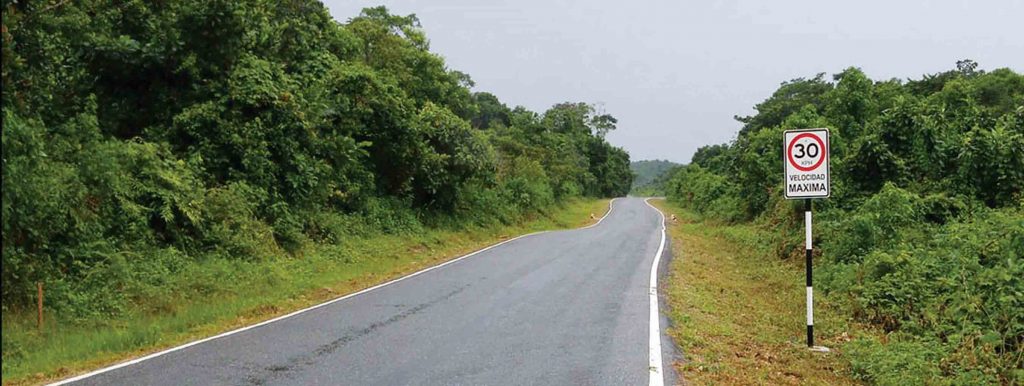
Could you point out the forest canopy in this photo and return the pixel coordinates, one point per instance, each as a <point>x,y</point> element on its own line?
<point>140,136</point>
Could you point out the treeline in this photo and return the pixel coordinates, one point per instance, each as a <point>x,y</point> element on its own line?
<point>650,176</point>
<point>923,236</point>
<point>141,136</point>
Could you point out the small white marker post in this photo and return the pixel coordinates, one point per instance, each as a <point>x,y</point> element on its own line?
<point>807,176</point>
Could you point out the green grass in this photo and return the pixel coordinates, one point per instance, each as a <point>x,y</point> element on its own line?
<point>226,294</point>
<point>739,315</point>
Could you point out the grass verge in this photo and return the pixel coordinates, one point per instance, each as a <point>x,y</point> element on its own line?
<point>739,316</point>
<point>248,292</point>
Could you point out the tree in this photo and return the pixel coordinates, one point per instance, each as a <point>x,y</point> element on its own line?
<point>789,98</point>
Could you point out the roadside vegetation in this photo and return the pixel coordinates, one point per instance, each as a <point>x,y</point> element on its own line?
<point>923,237</point>
<point>739,319</point>
<point>247,292</point>
<point>169,168</point>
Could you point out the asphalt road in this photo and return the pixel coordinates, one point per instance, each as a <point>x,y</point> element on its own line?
<point>558,308</point>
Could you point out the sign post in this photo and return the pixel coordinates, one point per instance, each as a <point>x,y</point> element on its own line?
<point>806,154</point>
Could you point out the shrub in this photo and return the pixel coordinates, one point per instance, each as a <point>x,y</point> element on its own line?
<point>922,235</point>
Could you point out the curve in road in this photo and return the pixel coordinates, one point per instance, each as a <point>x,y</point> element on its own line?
<point>565,307</point>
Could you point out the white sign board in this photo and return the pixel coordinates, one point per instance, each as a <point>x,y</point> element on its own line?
<point>805,153</point>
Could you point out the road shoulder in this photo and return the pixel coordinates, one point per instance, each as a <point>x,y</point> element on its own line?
<point>735,314</point>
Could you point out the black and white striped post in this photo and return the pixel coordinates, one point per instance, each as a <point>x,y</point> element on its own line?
<point>805,159</point>
<point>810,275</point>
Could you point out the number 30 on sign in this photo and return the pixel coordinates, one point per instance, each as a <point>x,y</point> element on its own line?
<point>806,155</point>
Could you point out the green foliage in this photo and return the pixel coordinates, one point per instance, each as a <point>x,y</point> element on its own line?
<point>491,111</point>
<point>705,192</point>
<point>789,98</point>
<point>876,223</point>
<point>897,363</point>
<point>955,286</point>
<point>992,163</point>
<point>924,233</point>
<point>650,176</point>
<point>142,138</point>
<point>454,155</point>
<point>712,157</point>
<point>527,186</point>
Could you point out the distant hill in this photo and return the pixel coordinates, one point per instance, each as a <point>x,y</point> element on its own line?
<point>649,174</point>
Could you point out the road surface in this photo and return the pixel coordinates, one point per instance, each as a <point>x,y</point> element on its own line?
<point>558,308</point>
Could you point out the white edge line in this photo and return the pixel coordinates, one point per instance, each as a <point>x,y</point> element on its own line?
<point>610,207</point>
<point>657,377</point>
<point>329,302</point>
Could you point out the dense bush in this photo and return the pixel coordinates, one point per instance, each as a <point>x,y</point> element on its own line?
<point>140,137</point>
<point>924,233</point>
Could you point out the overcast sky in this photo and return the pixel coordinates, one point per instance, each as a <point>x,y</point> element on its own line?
<point>676,72</point>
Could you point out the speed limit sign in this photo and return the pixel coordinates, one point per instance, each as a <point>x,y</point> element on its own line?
<point>806,155</point>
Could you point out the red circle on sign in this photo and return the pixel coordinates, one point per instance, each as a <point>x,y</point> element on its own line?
<point>821,145</point>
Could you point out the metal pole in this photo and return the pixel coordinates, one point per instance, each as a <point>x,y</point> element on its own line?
<point>810,288</point>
